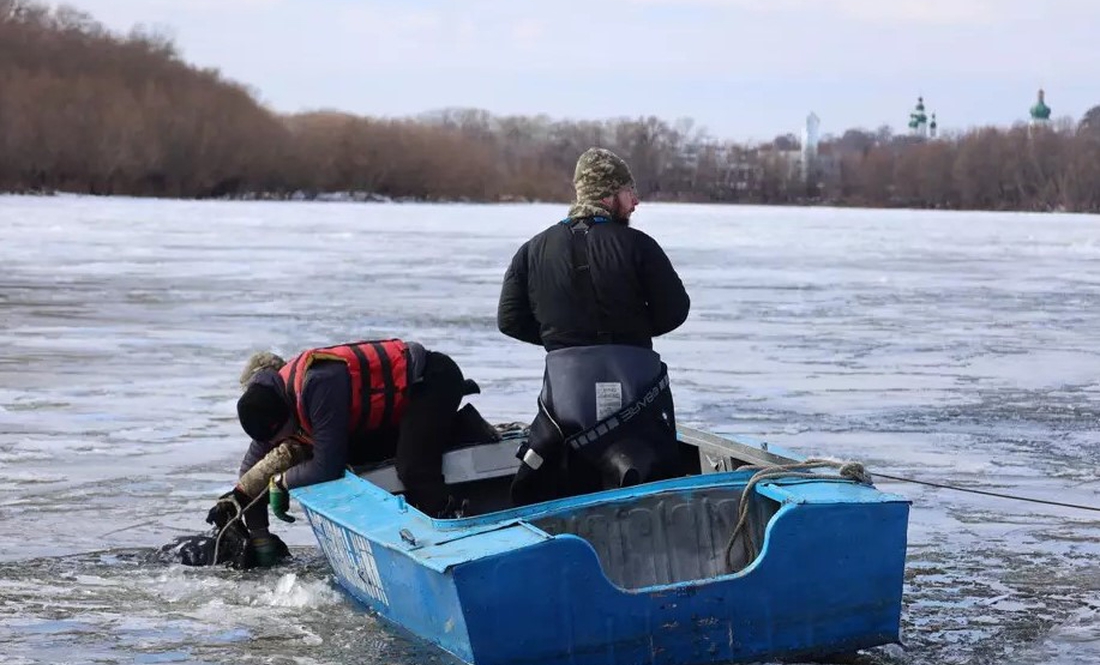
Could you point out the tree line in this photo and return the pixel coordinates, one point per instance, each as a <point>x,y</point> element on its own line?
<point>84,109</point>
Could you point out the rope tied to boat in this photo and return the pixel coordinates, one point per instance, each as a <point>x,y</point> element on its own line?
<point>856,471</point>
<point>846,470</point>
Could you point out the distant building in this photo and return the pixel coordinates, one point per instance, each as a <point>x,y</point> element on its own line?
<point>918,120</point>
<point>919,125</point>
<point>1040,112</point>
<point>811,137</point>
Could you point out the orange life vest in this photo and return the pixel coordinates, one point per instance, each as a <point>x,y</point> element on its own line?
<point>379,382</point>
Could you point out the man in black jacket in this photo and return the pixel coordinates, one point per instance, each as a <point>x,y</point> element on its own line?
<point>594,292</point>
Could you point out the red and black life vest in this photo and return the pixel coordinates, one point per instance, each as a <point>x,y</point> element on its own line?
<point>379,382</point>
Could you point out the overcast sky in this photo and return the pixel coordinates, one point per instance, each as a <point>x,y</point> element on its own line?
<point>743,69</point>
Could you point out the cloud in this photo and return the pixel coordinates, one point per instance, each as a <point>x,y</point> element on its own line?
<point>527,31</point>
<point>918,11</point>
<point>874,11</point>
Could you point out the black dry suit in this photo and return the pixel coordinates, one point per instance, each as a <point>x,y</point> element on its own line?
<point>606,416</point>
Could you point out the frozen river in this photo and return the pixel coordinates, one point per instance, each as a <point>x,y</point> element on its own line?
<point>960,348</point>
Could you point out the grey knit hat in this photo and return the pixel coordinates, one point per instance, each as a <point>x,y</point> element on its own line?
<point>258,362</point>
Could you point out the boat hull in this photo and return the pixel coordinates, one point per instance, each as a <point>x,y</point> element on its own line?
<point>505,588</point>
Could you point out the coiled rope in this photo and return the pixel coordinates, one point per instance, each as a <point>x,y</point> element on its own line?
<point>845,470</point>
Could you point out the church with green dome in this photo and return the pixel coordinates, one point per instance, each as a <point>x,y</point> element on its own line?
<point>1040,113</point>
<point>919,124</point>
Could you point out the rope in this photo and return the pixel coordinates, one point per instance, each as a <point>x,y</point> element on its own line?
<point>153,522</point>
<point>988,493</point>
<point>850,471</point>
<point>846,470</point>
<point>236,518</point>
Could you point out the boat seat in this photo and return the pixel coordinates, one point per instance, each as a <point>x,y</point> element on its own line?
<point>463,463</point>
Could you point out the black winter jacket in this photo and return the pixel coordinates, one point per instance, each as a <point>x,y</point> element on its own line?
<point>638,294</point>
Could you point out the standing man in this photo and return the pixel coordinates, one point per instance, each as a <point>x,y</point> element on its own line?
<point>594,292</point>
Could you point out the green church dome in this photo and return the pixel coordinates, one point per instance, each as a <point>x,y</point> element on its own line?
<point>1040,111</point>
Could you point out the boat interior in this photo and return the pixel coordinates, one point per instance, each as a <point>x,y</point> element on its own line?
<point>646,540</point>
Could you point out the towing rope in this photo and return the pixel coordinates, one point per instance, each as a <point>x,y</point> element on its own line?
<point>850,471</point>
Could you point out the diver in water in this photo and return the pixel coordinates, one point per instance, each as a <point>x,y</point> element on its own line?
<point>594,292</point>
<point>325,409</point>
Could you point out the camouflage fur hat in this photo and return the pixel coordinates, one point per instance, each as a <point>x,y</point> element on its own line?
<point>600,173</point>
<point>258,362</point>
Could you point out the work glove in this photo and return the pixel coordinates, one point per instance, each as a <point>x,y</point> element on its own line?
<point>278,497</point>
<point>267,550</point>
<point>229,505</point>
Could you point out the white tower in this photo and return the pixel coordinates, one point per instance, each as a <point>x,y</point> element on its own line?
<point>810,140</point>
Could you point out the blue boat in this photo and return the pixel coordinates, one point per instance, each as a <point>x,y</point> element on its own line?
<point>802,565</point>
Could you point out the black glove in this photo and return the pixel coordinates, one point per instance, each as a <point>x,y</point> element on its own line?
<point>229,505</point>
